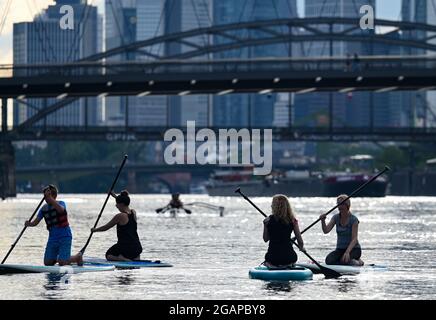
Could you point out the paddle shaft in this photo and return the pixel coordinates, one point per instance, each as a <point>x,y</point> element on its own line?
<point>22,231</point>
<point>351,195</point>
<point>162,209</point>
<point>327,272</point>
<point>104,205</point>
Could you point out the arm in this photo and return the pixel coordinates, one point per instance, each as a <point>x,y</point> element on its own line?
<point>115,220</point>
<point>326,228</point>
<point>265,230</point>
<point>298,236</point>
<point>51,201</point>
<point>354,234</point>
<point>33,223</point>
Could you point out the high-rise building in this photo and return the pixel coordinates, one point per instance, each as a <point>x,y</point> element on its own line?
<point>249,109</point>
<point>421,11</point>
<point>129,21</point>
<point>352,109</point>
<point>184,15</point>
<point>44,41</point>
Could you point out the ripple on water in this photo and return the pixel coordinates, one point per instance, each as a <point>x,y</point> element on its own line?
<point>212,255</point>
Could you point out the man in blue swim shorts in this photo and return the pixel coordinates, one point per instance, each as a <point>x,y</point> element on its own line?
<point>58,249</point>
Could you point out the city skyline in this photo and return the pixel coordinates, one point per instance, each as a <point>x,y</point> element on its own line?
<point>25,10</point>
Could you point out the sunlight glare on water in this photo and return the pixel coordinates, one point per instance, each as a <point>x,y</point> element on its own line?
<point>212,254</point>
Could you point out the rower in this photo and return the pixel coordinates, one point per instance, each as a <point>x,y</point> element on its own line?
<point>176,203</point>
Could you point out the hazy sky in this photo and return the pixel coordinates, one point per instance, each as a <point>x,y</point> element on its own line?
<point>24,10</point>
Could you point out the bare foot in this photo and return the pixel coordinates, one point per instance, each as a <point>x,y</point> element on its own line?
<point>357,263</point>
<point>79,259</point>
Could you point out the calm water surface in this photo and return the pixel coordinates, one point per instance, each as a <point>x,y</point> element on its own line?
<point>212,255</point>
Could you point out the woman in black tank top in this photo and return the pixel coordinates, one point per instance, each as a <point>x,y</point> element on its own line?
<point>278,228</point>
<point>128,246</point>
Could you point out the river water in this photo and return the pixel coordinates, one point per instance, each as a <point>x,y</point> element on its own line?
<point>212,254</point>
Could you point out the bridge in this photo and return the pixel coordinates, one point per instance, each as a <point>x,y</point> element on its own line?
<point>197,70</point>
<point>227,76</point>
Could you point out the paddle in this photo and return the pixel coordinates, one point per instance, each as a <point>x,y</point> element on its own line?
<point>328,273</point>
<point>104,205</point>
<point>351,195</point>
<point>162,209</point>
<point>22,231</point>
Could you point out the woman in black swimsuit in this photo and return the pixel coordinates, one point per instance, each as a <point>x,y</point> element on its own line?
<point>128,247</point>
<point>278,228</point>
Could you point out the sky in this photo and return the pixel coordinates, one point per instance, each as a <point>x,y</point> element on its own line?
<point>24,10</point>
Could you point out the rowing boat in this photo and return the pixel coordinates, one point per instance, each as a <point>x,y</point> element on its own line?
<point>344,269</point>
<point>126,264</point>
<point>20,268</point>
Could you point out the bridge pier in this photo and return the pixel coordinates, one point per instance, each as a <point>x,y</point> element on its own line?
<point>7,157</point>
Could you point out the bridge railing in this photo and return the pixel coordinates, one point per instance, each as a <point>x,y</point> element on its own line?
<point>340,64</point>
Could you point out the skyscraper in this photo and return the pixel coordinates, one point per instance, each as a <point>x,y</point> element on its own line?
<point>129,21</point>
<point>249,109</point>
<point>184,15</point>
<point>44,41</point>
<point>312,109</point>
<point>421,11</point>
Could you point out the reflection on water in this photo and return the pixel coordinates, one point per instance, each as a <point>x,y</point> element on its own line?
<point>278,286</point>
<point>125,280</point>
<point>346,285</point>
<point>54,285</point>
<point>211,255</point>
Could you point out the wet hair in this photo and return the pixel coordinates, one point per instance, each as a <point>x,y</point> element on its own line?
<point>281,209</point>
<point>52,188</point>
<point>123,198</point>
<point>175,195</point>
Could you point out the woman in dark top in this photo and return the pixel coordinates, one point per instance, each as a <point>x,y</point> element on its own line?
<point>128,247</point>
<point>278,228</point>
<point>348,251</point>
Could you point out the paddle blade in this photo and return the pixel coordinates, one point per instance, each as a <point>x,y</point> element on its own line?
<point>329,273</point>
<point>188,211</point>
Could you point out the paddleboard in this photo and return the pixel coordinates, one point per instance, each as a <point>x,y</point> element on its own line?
<point>126,264</point>
<point>343,269</point>
<point>289,274</point>
<point>20,268</point>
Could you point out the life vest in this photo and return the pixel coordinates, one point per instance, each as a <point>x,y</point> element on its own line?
<point>55,219</point>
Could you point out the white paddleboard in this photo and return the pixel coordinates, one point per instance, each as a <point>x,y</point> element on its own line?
<point>20,268</point>
<point>126,264</point>
<point>343,269</point>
